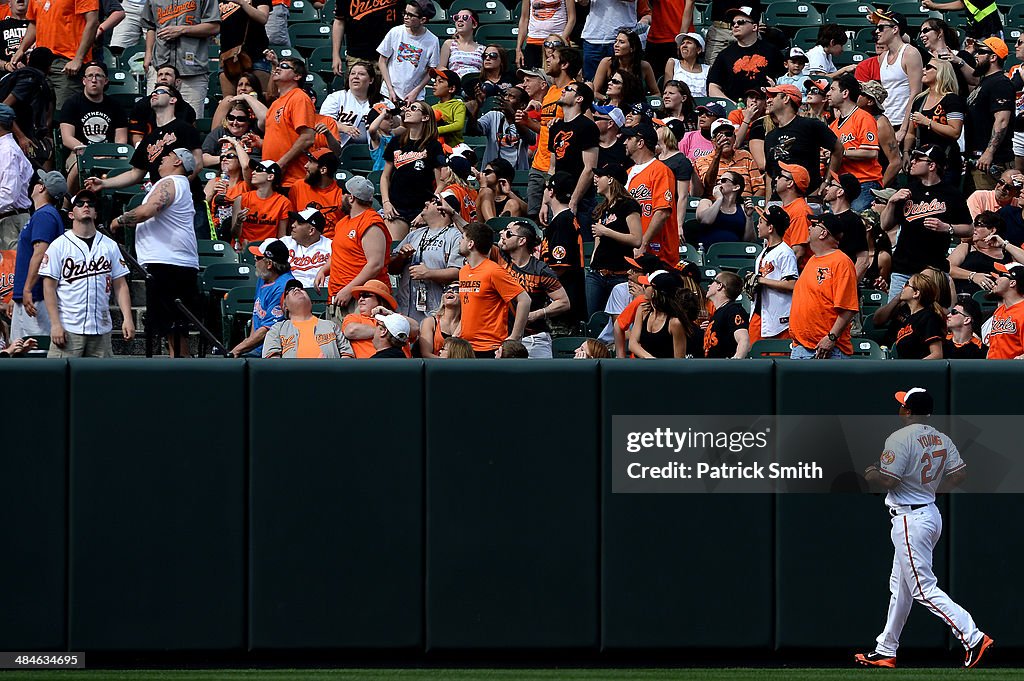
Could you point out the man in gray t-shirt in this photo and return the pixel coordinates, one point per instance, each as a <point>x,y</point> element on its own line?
<point>427,260</point>
<point>182,39</point>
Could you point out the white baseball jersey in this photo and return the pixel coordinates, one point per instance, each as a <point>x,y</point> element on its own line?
<point>777,263</point>
<point>306,261</point>
<point>84,279</point>
<point>918,456</point>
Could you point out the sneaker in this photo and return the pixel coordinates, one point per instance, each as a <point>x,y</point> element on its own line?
<point>874,659</point>
<point>975,652</point>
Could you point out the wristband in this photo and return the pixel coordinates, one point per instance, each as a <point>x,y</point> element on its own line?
<point>832,337</point>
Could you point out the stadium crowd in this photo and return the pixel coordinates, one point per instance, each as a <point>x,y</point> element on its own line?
<point>669,180</point>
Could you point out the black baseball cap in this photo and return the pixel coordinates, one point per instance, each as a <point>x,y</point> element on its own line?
<point>613,170</point>
<point>933,153</point>
<point>776,217</point>
<point>646,263</point>
<point>917,401</point>
<point>645,131</point>
<point>831,222</point>
<point>311,216</point>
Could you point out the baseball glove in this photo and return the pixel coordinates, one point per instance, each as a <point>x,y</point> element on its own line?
<point>751,286</point>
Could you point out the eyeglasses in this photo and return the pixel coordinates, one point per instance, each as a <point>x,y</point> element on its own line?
<point>931,67</point>
<point>85,203</point>
<point>978,51</point>
<point>237,119</point>
<point>615,81</point>
<point>491,55</point>
<point>509,234</point>
<point>1020,41</point>
<point>94,76</point>
<point>285,65</point>
<point>954,313</point>
<point>412,15</point>
<point>553,43</point>
<point>742,22</point>
<point>915,159</point>
<point>462,17</point>
<point>263,257</point>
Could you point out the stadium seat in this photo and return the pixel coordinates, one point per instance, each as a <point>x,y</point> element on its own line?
<point>806,37</point>
<point>123,88</point>
<point>283,51</point>
<point>727,103</point>
<point>204,126</point>
<point>588,252</point>
<point>490,104</point>
<point>864,41</point>
<point>355,158</point>
<point>478,143</point>
<point>846,58</point>
<point>440,13</point>
<point>321,62</point>
<point>565,347</point>
<point>307,37</point>
<point>302,11</point>
<point>791,14</point>
<point>1014,16</point>
<point>691,207</point>
<point>865,348</point>
<point>316,83</point>
<point>102,157</point>
<point>207,174</point>
<point>654,102</point>
<point>847,13</point>
<point>212,252</point>
<point>689,253</point>
<point>327,11</point>
<point>125,61</point>
<point>488,32</point>
<point>731,256</point>
<point>499,223</point>
<point>871,300</point>
<point>374,177</point>
<point>596,324</point>
<point>987,306</point>
<point>770,348</point>
<point>319,300</point>
<point>442,30</point>
<point>218,279</point>
<point>489,11</point>
<point>869,330</point>
<point>235,306</point>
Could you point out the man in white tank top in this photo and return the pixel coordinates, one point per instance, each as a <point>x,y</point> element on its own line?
<point>917,462</point>
<point>165,241</point>
<point>900,68</point>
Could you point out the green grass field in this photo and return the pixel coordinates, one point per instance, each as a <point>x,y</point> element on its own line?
<point>523,674</point>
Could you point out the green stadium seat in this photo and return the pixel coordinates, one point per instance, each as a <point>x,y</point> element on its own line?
<point>727,103</point>
<point>374,177</point>
<point>731,256</point>
<point>302,11</point>
<point>847,13</point>
<point>442,30</point>
<point>847,58</point>
<point>596,324</point>
<point>565,347</point>
<point>102,157</point>
<point>490,104</point>
<point>204,126</point>
<point>987,306</point>
<point>283,51</point>
<point>871,300</point>
<point>1014,16</point>
<point>588,252</point>
<point>691,207</point>
<point>321,62</point>
<point>217,279</point>
<point>791,14</point>
<point>307,37</point>
<point>864,41</point>
<point>316,83</point>
<point>212,252</point>
<point>327,11</point>
<point>805,38</point>
<point>440,13</point>
<point>654,101</point>
<point>355,158</point>
<point>770,348</point>
<point>123,88</point>
<point>125,61</point>
<point>912,11</point>
<point>234,307</point>
<point>865,348</point>
<point>488,32</point>
<point>689,253</point>
<point>207,174</point>
<point>489,11</point>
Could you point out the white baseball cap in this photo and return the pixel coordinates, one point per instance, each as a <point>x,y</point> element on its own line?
<point>721,123</point>
<point>396,324</point>
<point>695,37</point>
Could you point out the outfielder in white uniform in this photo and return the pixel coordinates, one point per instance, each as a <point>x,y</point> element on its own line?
<point>918,461</point>
<point>80,269</point>
<point>776,273</point>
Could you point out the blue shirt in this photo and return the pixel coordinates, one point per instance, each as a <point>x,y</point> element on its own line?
<point>44,226</point>
<point>266,311</point>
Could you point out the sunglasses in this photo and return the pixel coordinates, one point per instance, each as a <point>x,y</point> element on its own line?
<point>615,81</point>
<point>454,289</point>
<point>723,180</point>
<point>228,156</point>
<point>491,55</point>
<point>160,92</point>
<point>928,29</point>
<point>881,27</point>
<point>742,22</point>
<point>85,203</point>
<point>237,119</point>
<point>553,43</point>
<point>979,51</point>
<point>931,67</point>
<point>488,171</point>
<point>285,65</point>
<point>364,294</point>
<point>954,313</point>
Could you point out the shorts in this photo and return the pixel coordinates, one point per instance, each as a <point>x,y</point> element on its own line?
<point>1018,144</point>
<point>408,214</point>
<point>165,284</point>
<point>262,65</point>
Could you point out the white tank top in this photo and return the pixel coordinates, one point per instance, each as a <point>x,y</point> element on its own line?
<point>697,82</point>
<point>169,238</point>
<point>895,81</point>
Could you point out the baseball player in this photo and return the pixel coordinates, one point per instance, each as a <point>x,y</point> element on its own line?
<point>80,268</point>
<point>918,461</point>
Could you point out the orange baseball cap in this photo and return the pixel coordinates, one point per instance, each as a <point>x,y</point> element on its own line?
<point>997,46</point>
<point>379,289</point>
<point>801,177</point>
<point>791,91</point>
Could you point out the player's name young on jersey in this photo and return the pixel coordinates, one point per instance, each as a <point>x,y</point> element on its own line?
<point>822,454</point>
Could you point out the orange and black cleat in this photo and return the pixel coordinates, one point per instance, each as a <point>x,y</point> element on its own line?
<point>874,659</point>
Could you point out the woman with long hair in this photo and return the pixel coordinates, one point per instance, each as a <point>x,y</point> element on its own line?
<point>456,348</point>
<point>248,89</point>
<point>921,336</point>
<point>540,19</point>
<point>677,102</point>
<point>942,42</point>
<point>493,82</point>
<point>722,218</point>
<point>241,123</point>
<point>661,331</point>
<point>627,56</point>
<point>938,117</point>
<point>351,106</point>
<point>444,323</point>
<point>682,169</point>
<point>617,231</point>
<point>412,166</point>
<point>971,263</point>
<point>624,90</point>
<point>689,68</point>
<point>592,349</point>
<point>462,53</point>
<point>221,191</point>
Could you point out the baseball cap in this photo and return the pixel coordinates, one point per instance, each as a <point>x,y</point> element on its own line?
<point>534,73</point>
<point>743,10</point>
<point>612,170</point>
<point>453,78</point>
<point>270,167</point>
<point>820,83</point>
<point>273,250</point>
<point>612,112</point>
<point>677,127</point>
<point>774,216</point>
<point>795,53</point>
<point>311,216</point>
<point>801,177</point>
<point>883,194</point>
<point>916,400</point>
<point>562,183</point>
<point>713,109</point>
<point>880,15</point>
<point>379,289</point>
<point>188,161</point>
<point>849,183</point>
<point>85,194</point>
<point>1013,271</point>
<point>55,184</point>
<point>661,280</point>
<point>6,115</point>
<point>722,123</point>
<point>645,131</point>
<point>288,286</point>
<point>932,152</point>
<point>396,324</point>
<point>791,91</point>
<point>360,188</point>
<point>996,45</point>
<point>695,37</point>
<point>830,222</point>
<point>643,109</point>
<point>874,89</point>
<point>646,263</point>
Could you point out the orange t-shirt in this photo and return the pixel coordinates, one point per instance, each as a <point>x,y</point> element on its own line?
<point>827,284</point>
<point>653,186</point>
<point>859,131</point>
<point>264,215</point>
<point>467,201</point>
<point>666,18</point>
<point>5,10</point>
<point>549,111</point>
<point>60,24</point>
<point>486,291</point>
<point>347,256</point>
<point>799,231</point>
<point>307,347</point>
<point>327,201</point>
<point>1006,339</point>
<point>287,115</point>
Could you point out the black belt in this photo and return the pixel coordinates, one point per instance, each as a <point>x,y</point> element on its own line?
<point>612,273</point>
<point>913,507</point>
<point>17,211</point>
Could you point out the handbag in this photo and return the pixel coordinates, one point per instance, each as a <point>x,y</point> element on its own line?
<point>235,62</point>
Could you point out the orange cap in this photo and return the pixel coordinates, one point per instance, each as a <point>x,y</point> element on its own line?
<point>801,177</point>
